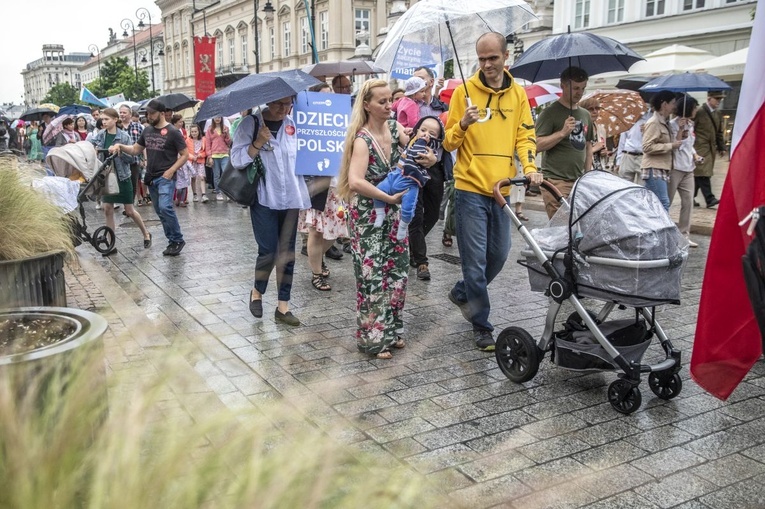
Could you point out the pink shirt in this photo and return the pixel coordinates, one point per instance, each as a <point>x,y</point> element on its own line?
<point>217,143</point>
<point>407,111</point>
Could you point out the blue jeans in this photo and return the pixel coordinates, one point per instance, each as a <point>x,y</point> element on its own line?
<point>161,191</point>
<point>219,164</point>
<point>659,188</point>
<point>483,238</point>
<point>275,232</point>
<point>394,183</point>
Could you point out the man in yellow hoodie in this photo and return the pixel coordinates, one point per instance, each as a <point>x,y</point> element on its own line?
<point>484,156</point>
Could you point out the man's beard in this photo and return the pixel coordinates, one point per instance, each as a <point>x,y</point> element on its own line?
<point>154,122</point>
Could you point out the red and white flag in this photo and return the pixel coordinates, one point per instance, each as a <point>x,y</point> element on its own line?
<point>728,340</point>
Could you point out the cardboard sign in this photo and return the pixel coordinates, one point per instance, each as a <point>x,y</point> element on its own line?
<point>322,123</point>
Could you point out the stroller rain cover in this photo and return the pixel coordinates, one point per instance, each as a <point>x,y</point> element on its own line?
<point>609,217</point>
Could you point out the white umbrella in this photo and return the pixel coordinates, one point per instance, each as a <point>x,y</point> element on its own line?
<point>425,33</point>
<point>343,67</point>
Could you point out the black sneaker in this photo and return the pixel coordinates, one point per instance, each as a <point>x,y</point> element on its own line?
<point>423,274</point>
<point>464,307</point>
<point>174,249</point>
<point>713,203</point>
<point>304,250</point>
<point>333,253</point>
<point>483,340</point>
<point>347,248</point>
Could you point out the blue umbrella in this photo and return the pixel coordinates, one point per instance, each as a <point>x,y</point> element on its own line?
<point>254,90</point>
<point>74,109</point>
<point>595,54</point>
<point>686,82</point>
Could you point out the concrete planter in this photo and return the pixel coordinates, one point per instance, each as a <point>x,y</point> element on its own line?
<point>34,281</point>
<point>78,345</point>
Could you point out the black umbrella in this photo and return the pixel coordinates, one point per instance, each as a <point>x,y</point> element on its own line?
<point>595,54</point>
<point>177,101</point>
<point>36,114</point>
<point>254,90</point>
<point>633,82</point>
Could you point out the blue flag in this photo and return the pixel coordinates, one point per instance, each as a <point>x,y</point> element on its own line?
<point>90,98</point>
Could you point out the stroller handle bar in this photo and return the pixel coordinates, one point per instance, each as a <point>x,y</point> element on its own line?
<point>522,181</point>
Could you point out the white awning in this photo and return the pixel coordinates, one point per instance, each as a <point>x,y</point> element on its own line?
<point>730,66</point>
<point>671,59</point>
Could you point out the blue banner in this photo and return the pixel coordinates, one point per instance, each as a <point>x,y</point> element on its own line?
<point>321,121</point>
<point>410,56</point>
<point>88,97</point>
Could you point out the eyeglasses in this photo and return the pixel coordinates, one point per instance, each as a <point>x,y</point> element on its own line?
<point>285,104</point>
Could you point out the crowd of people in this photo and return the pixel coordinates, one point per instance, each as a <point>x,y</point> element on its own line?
<point>410,158</point>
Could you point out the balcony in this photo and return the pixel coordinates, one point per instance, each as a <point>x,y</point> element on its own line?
<point>225,75</point>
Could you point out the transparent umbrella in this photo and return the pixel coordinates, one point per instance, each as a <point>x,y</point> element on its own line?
<point>425,34</point>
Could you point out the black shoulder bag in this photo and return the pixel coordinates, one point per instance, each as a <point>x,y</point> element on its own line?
<point>242,185</point>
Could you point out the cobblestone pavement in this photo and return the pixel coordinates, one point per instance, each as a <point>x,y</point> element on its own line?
<point>440,405</point>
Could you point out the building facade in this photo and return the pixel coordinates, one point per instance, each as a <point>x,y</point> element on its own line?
<point>145,54</point>
<point>343,29</point>
<point>55,66</point>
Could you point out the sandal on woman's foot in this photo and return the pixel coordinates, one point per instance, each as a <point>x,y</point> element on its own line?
<point>147,242</point>
<point>446,240</point>
<point>399,343</point>
<point>521,216</point>
<point>320,283</point>
<point>324,270</point>
<point>384,355</point>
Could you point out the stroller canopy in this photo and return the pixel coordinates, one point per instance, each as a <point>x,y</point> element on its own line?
<point>80,156</point>
<point>624,245</point>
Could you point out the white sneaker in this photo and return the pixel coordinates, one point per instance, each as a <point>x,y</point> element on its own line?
<point>205,199</point>
<point>690,242</point>
<point>196,198</point>
<point>221,197</point>
<point>98,206</point>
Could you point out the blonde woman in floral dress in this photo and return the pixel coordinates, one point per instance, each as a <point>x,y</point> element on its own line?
<point>380,262</point>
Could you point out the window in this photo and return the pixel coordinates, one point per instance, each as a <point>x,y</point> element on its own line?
<point>231,51</point>
<point>654,8</point>
<point>361,22</point>
<point>187,59</point>
<point>272,42</point>
<point>582,14</point>
<point>170,66</point>
<point>615,11</point>
<point>219,51</point>
<point>176,25</point>
<point>304,35</point>
<point>689,5</point>
<point>286,49</point>
<point>244,50</point>
<point>178,67</point>
<point>324,30</point>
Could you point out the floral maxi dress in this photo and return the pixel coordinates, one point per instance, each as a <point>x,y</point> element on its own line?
<point>380,262</point>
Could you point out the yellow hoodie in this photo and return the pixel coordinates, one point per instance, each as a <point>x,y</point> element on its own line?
<point>485,151</point>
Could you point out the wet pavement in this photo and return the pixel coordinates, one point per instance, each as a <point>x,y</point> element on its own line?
<point>440,405</point>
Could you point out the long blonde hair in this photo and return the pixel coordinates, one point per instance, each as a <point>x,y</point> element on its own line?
<point>359,118</point>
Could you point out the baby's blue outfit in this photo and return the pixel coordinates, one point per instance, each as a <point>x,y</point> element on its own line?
<point>408,175</point>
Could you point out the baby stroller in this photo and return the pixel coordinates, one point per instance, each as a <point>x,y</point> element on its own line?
<point>80,176</point>
<point>611,241</point>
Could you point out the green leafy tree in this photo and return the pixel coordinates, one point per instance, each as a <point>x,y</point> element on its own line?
<point>449,69</point>
<point>62,94</point>
<point>118,77</point>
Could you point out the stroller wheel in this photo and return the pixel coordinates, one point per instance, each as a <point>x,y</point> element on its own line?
<point>517,354</point>
<point>665,385</point>
<point>103,239</point>
<point>624,397</point>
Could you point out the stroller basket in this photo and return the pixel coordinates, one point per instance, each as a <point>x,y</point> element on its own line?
<point>579,350</point>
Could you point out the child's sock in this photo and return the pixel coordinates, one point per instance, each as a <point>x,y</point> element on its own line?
<point>379,216</point>
<point>403,229</point>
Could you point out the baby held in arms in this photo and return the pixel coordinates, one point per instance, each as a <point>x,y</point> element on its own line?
<point>410,175</point>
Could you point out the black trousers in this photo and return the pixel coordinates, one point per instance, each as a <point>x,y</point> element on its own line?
<point>135,174</point>
<point>425,216</point>
<point>705,185</point>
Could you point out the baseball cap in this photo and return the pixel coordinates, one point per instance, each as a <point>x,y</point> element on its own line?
<point>414,85</point>
<point>156,106</point>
